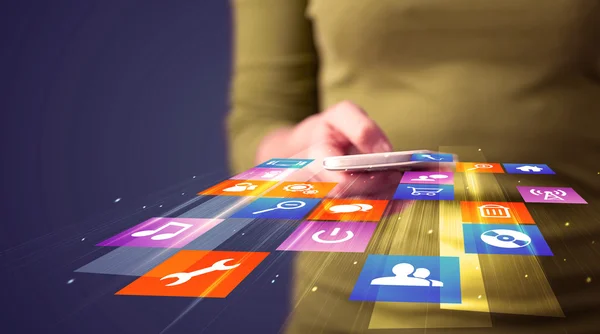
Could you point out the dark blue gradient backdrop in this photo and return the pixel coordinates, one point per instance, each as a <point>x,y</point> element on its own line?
<point>102,100</point>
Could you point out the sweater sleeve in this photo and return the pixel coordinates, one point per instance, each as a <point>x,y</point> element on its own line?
<point>274,81</point>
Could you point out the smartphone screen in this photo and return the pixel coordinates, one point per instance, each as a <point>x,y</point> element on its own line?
<point>375,161</point>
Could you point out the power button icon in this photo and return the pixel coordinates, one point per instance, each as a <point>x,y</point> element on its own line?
<point>317,236</point>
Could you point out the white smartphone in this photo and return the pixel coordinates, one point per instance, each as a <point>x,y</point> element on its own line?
<point>382,161</point>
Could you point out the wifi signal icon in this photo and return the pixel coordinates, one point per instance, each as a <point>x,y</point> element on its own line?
<point>550,195</point>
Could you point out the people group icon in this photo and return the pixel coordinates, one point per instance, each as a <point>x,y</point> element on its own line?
<point>407,275</point>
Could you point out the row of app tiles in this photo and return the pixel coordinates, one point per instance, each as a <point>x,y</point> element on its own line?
<point>326,236</point>
<point>279,174</point>
<point>267,170</point>
<point>413,186</point>
<point>389,278</point>
<point>481,218</point>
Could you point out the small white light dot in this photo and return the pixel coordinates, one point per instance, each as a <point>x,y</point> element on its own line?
<point>588,280</point>
<point>565,260</point>
<point>182,194</point>
<point>314,289</point>
<point>430,232</point>
<point>193,177</point>
<point>526,275</point>
<point>117,200</point>
<point>243,233</point>
<point>519,181</point>
<point>160,206</point>
<point>479,297</point>
<point>143,207</point>
<point>567,224</point>
<point>71,281</point>
<point>277,275</point>
<point>82,239</point>
<point>476,268</point>
<point>273,281</point>
<point>479,150</point>
<point>355,262</point>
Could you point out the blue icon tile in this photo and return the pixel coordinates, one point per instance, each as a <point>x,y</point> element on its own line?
<point>420,279</point>
<point>504,239</point>
<point>278,208</point>
<point>285,163</point>
<point>443,192</point>
<point>432,157</point>
<point>528,169</point>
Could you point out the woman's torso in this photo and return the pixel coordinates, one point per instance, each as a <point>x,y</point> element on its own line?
<point>519,79</point>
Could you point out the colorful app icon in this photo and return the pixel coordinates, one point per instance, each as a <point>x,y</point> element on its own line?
<point>285,163</point>
<point>191,273</point>
<point>319,236</point>
<point>349,210</point>
<point>301,189</point>
<point>417,279</point>
<point>440,192</point>
<point>264,174</point>
<point>504,239</point>
<point>528,169</point>
<point>550,195</point>
<point>479,167</point>
<point>432,157</point>
<point>162,233</point>
<point>428,178</point>
<point>239,188</point>
<point>495,212</point>
<point>278,208</point>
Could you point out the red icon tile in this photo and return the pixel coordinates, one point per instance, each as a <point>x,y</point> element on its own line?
<point>191,273</point>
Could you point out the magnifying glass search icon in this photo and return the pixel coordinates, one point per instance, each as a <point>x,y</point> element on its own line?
<point>287,205</point>
<point>481,166</point>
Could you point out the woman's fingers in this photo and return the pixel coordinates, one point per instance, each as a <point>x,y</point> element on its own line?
<point>356,127</point>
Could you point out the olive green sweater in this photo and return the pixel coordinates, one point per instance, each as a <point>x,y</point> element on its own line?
<point>519,79</point>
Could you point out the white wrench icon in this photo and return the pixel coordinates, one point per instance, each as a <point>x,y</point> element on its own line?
<point>184,277</point>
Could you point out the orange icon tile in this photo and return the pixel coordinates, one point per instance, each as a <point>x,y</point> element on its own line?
<point>239,188</point>
<point>349,210</point>
<point>479,167</point>
<point>301,189</point>
<point>191,273</point>
<point>495,212</point>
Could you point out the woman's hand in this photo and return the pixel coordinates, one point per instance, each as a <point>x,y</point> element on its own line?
<point>341,129</point>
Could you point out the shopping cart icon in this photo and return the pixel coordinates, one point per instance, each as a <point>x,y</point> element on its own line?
<point>425,191</point>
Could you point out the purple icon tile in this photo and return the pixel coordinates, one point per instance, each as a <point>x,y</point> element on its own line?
<point>321,236</point>
<point>266,174</point>
<point>550,195</point>
<point>428,178</point>
<point>162,233</point>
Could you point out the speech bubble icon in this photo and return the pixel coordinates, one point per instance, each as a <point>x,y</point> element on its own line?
<point>347,208</point>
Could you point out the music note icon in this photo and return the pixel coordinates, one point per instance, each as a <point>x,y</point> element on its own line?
<point>163,236</point>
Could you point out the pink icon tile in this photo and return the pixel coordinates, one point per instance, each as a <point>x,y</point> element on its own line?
<point>162,233</point>
<point>266,174</point>
<point>428,178</point>
<point>322,236</point>
<point>550,195</point>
